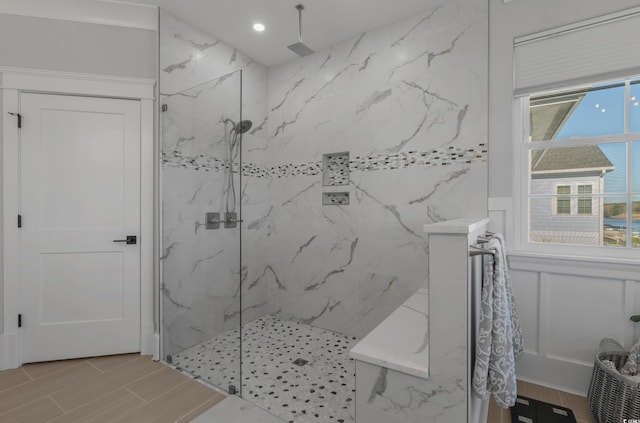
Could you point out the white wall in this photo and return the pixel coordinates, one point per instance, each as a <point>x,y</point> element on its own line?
<point>37,43</point>
<point>1,226</point>
<point>566,306</point>
<point>77,47</point>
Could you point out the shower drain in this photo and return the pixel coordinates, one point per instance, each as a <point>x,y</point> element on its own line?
<point>300,362</point>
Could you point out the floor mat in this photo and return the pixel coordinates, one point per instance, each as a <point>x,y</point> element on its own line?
<point>528,410</point>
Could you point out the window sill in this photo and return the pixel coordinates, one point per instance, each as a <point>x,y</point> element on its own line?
<point>585,265</point>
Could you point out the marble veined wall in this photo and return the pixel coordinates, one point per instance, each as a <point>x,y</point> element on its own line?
<point>409,103</point>
<point>202,272</point>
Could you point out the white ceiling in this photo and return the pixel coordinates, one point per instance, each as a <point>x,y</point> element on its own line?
<point>325,22</point>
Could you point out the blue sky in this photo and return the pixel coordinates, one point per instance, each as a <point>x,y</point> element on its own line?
<point>602,113</point>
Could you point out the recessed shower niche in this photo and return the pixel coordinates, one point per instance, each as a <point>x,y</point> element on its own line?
<point>335,172</point>
<point>335,198</point>
<point>335,169</point>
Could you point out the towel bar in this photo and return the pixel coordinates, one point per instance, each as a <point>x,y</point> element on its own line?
<point>476,251</point>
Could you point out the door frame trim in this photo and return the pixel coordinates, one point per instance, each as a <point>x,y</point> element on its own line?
<point>13,81</point>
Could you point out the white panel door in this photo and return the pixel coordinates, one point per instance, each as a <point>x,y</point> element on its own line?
<point>79,192</point>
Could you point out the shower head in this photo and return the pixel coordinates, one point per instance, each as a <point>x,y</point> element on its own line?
<point>242,126</point>
<point>300,48</point>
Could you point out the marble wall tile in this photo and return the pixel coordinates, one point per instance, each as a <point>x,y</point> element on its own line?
<point>387,96</point>
<point>204,271</point>
<point>408,101</point>
<point>234,409</point>
<point>349,267</point>
<point>388,396</point>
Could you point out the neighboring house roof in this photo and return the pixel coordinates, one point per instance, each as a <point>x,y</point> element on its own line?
<point>548,116</point>
<point>574,160</point>
<point>550,113</point>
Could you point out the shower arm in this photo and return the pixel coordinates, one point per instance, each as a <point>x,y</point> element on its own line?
<point>300,8</point>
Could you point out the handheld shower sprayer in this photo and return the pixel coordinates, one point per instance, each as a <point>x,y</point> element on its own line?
<point>241,127</point>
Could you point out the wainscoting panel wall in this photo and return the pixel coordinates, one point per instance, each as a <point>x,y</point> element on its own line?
<point>566,307</point>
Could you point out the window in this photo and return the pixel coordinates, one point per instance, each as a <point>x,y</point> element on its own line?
<point>584,202</point>
<point>563,203</point>
<point>581,156</point>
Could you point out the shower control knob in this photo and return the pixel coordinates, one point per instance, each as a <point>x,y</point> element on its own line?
<point>212,220</point>
<point>231,219</point>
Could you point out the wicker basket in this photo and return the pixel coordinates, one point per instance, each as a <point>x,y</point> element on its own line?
<point>612,397</point>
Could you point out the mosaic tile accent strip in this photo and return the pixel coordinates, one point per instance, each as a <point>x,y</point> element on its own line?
<point>440,157</point>
<point>430,158</point>
<point>320,391</point>
<point>335,169</point>
<point>201,162</point>
<point>287,170</point>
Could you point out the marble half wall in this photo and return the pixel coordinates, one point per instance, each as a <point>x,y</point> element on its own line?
<point>400,99</point>
<point>389,396</point>
<point>204,270</point>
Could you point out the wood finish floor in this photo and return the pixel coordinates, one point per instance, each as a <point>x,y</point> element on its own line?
<point>579,405</point>
<point>134,389</point>
<point>123,388</point>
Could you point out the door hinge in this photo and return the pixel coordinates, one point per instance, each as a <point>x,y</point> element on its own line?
<point>19,116</point>
<point>165,107</point>
<point>19,221</point>
<point>19,320</point>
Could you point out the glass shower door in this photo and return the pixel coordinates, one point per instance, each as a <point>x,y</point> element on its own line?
<point>201,250</point>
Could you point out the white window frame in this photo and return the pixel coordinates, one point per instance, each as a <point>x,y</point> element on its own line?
<point>521,206</point>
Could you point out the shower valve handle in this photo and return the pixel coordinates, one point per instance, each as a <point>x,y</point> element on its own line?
<point>231,219</point>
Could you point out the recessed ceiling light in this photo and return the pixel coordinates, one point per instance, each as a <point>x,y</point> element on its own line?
<point>258,27</point>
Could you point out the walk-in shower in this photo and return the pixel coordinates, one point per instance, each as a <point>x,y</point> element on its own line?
<point>219,323</point>
<point>201,260</point>
<point>241,345</point>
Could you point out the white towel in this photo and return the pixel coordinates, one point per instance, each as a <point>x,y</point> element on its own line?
<point>499,338</point>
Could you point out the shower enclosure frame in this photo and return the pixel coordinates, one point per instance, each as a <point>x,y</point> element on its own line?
<point>236,387</point>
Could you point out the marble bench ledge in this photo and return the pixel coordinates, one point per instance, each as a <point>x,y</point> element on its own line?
<point>465,225</point>
<point>401,341</point>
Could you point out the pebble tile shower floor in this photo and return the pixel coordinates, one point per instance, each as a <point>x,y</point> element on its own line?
<point>320,391</point>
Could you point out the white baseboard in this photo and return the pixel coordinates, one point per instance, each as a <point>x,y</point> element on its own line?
<point>150,341</point>
<point>9,352</point>
<point>563,375</point>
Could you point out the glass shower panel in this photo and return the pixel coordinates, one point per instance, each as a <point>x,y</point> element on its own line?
<point>201,251</point>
